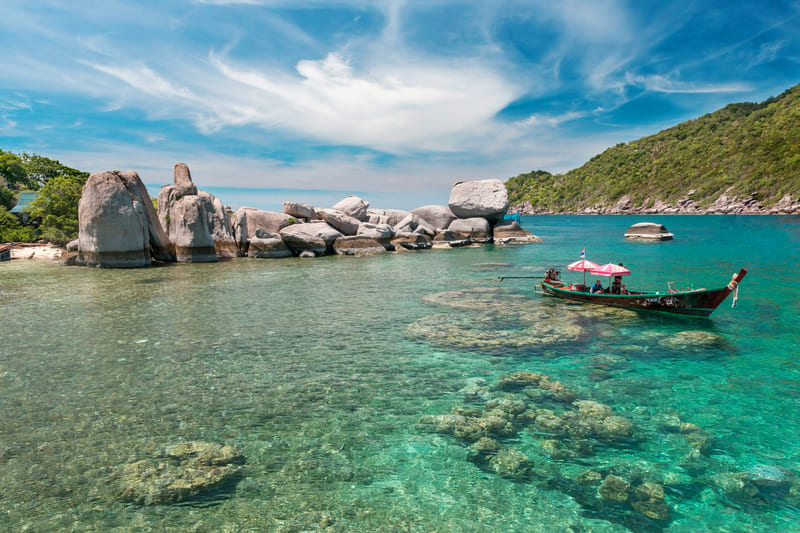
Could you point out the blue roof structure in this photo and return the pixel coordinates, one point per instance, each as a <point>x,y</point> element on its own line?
<point>24,200</point>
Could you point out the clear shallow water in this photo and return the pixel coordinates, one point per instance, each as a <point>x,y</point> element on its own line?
<point>322,372</point>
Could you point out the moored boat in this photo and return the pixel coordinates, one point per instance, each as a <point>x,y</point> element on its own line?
<point>695,302</point>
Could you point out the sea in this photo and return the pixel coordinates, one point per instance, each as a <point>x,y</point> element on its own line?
<point>410,391</point>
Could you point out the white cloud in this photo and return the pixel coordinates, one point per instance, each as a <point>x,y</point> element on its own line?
<point>665,84</point>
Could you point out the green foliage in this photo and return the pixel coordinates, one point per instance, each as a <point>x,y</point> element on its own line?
<point>11,230</point>
<point>12,172</point>
<point>40,169</point>
<point>752,147</point>
<point>57,207</point>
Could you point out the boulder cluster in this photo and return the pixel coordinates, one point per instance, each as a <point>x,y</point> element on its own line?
<point>119,227</point>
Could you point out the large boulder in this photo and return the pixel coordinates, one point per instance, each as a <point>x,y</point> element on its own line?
<point>183,184</point>
<point>188,225</point>
<point>414,224</point>
<point>450,239</point>
<point>480,198</point>
<point>302,211</point>
<point>508,231</point>
<point>357,245</point>
<point>411,241</point>
<point>340,220</point>
<point>476,229</point>
<point>113,228</point>
<point>437,217</point>
<point>160,247</point>
<point>382,233</point>
<point>353,206</point>
<point>302,242</point>
<point>386,216</point>
<point>196,221</point>
<point>268,246</point>
<point>648,231</point>
<point>318,230</point>
<point>219,226</point>
<point>246,221</point>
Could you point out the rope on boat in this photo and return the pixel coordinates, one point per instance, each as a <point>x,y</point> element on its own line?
<point>734,286</point>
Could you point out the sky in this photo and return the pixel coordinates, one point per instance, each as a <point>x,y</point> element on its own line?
<point>392,100</point>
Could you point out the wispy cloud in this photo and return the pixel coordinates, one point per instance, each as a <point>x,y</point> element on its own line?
<point>665,84</point>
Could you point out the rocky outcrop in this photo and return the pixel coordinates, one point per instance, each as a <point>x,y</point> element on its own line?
<point>414,224</point>
<point>480,198</point>
<point>117,223</point>
<point>437,217</point>
<point>304,212</point>
<point>391,217</point>
<point>411,241</point>
<point>193,226</point>
<point>353,206</point>
<point>510,232</point>
<point>247,221</point>
<point>475,229</point>
<point>648,231</point>
<point>727,203</point>
<point>267,246</point>
<point>357,245</point>
<point>382,233</point>
<point>195,221</point>
<point>310,233</point>
<point>339,220</point>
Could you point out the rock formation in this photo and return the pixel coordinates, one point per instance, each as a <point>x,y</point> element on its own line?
<point>648,231</point>
<point>480,198</point>
<point>195,221</point>
<point>437,217</point>
<point>128,232</point>
<point>118,226</point>
<point>353,206</point>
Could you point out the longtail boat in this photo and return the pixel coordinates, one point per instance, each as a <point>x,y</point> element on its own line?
<point>695,302</point>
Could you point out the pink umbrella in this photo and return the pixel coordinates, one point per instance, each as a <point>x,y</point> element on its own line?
<point>583,266</point>
<point>610,269</point>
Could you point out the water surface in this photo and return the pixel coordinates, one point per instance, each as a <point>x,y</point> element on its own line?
<point>324,372</point>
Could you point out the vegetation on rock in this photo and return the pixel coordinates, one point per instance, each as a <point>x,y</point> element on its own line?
<point>750,147</point>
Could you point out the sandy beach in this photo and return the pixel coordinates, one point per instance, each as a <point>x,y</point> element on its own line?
<point>45,252</point>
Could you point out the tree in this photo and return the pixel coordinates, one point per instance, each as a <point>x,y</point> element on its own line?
<point>57,207</point>
<point>12,172</point>
<point>40,169</point>
<point>11,230</point>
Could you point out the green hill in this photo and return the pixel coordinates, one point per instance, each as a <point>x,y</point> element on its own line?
<point>754,148</point>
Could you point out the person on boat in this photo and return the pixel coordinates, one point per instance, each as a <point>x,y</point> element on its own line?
<point>597,288</point>
<point>616,287</point>
<point>623,290</point>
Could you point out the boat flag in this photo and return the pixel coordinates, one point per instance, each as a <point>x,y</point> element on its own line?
<point>583,253</point>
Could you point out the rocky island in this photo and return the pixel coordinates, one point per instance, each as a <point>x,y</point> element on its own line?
<point>120,227</point>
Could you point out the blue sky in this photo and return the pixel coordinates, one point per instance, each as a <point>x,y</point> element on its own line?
<point>391,100</point>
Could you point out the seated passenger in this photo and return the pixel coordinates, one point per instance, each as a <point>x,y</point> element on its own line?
<point>597,288</point>
<point>616,287</point>
<point>624,290</point>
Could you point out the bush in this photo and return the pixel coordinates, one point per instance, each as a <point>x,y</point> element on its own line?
<point>11,230</point>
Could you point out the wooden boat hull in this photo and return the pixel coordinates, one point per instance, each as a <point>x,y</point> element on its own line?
<point>701,302</point>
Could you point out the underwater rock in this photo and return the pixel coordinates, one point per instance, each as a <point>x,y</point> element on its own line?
<point>185,471</point>
<point>482,451</point>
<point>614,489</point>
<point>518,381</point>
<point>590,478</point>
<point>692,340</point>
<point>648,499</point>
<point>510,463</point>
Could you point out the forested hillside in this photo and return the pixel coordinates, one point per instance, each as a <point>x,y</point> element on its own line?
<point>754,148</point>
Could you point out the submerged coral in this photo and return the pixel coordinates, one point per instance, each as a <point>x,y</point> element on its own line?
<point>183,472</point>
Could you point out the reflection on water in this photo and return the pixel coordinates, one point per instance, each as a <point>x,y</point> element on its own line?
<point>408,392</point>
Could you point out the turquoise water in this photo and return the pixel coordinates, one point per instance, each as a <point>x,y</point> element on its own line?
<point>332,375</point>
